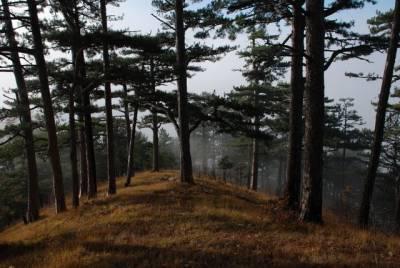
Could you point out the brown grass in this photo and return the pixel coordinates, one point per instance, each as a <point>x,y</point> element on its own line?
<point>159,223</point>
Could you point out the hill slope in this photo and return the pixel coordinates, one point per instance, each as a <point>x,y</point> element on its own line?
<point>158,222</point>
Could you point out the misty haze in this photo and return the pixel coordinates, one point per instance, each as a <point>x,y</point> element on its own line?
<point>199,133</point>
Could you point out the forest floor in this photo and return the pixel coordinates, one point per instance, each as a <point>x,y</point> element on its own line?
<point>159,223</point>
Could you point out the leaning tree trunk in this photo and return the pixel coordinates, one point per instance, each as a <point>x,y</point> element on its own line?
<point>311,207</point>
<point>33,205</point>
<point>380,119</point>
<point>130,172</point>
<point>112,187</point>
<point>186,171</point>
<point>48,108</point>
<point>293,172</point>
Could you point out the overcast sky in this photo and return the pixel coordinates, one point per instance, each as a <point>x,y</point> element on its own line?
<point>221,77</point>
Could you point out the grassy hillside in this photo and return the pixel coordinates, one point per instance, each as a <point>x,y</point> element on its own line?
<point>159,223</point>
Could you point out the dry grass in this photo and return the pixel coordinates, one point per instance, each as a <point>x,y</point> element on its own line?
<point>158,222</point>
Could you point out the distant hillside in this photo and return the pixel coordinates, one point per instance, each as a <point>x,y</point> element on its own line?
<point>159,223</point>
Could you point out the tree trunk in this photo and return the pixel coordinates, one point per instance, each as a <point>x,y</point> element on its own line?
<point>380,119</point>
<point>73,151</point>
<point>126,113</point>
<point>156,154</point>
<point>293,171</point>
<point>79,73</point>
<point>250,160</point>
<point>186,172</point>
<point>254,166</point>
<point>130,172</point>
<point>87,154</point>
<point>112,188</point>
<point>82,154</point>
<point>72,122</point>
<point>48,108</point>
<point>311,207</point>
<point>33,203</point>
<point>204,146</point>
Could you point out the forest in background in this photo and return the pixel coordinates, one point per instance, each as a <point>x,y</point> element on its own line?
<point>77,118</point>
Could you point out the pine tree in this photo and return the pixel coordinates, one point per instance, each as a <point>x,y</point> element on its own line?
<point>108,99</point>
<point>32,213</point>
<point>48,107</point>
<point>311,205</point>
<point>380,118</point>
<point>180,19</point>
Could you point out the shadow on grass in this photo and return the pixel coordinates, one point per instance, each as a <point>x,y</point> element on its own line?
<point>143,256</point>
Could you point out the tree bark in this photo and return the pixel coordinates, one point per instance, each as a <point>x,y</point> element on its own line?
<point>156,150</point>
<point>23,108</point>
<point>112,187</point>
<point>155,127</point>
<point>126,113</point>
<point>380,120</point>
<point>186,172</point>
<point>293,171</point>
<point>82,154</point>
<point>311,207</point>
<point>130,172</point>
<point>254,166</point>
<point>73,150</point>
<point>87,155</point>
<point>204,146</point>
<point>48,108</point>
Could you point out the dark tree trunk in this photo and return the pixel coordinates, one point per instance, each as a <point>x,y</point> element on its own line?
<point>48,108</point>
<point>156,152</point>
<point>130,172</point>
<point>186,172</point>
<point>82,154</point>
<point>293,172</point>
<point>126,113</point>
<point>311,207</point>
<point>72,122</point>
<point>90,154</point>
<point>33,203</point>
<point>204,146</point>
<point>255,145</point>
<point>250,160</point>
<point>79,73</point>
<point>155,127</point>
<point>254,166</point>
<point>380,119</point>
<point>73,151</point>
<point>112,188</point>
<point>87,155</point>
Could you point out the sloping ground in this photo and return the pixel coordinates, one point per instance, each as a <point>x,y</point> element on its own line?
<point>159,223</point>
